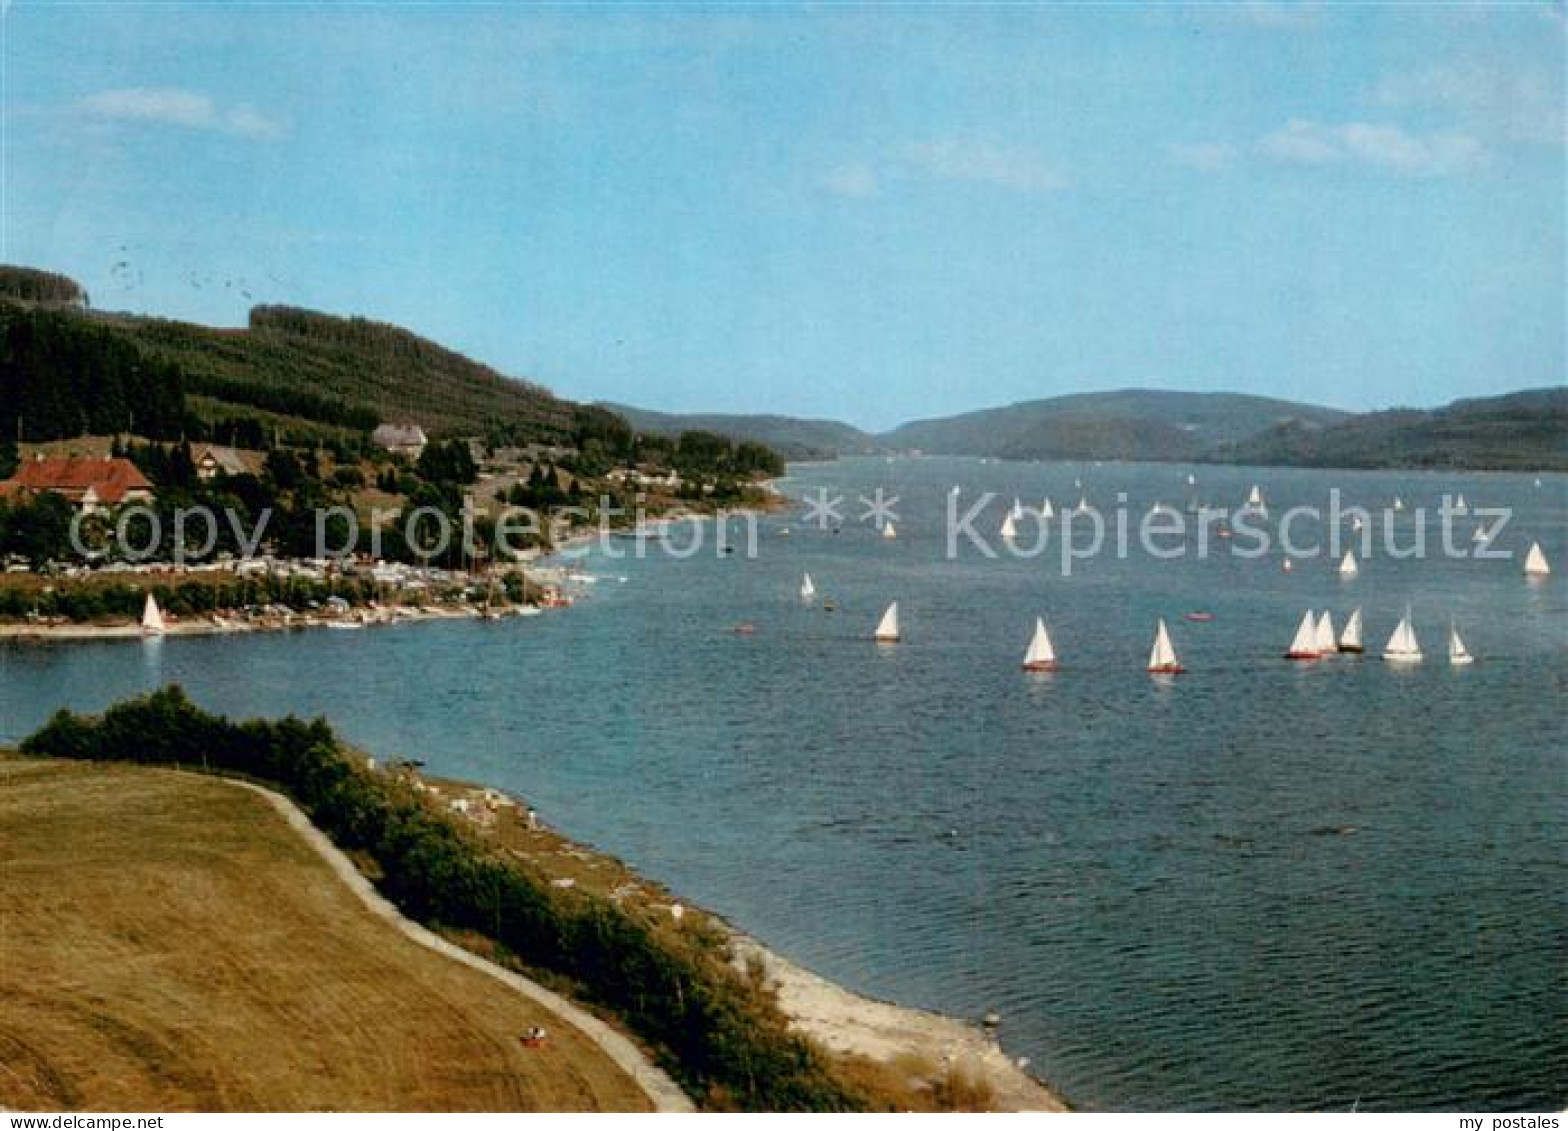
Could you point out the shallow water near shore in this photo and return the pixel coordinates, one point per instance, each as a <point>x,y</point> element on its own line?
<point>1261,885</point>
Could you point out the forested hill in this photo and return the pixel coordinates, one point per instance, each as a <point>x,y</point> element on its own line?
<point>1152,424</point>
<point>790,436</point>
<point>65,370</point>
<point>1525,431</point>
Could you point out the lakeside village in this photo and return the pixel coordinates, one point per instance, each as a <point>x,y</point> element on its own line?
<point>258,564</point>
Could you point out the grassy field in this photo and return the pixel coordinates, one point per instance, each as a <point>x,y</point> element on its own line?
<point>168,943</point>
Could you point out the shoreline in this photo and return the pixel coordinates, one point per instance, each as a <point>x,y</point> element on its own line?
<point>918,1046</point>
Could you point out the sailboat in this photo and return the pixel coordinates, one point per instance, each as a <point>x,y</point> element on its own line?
<point>1399,504</point>
<point>1348,566</point>
<point>1325,634</point>
<point>1009,530</point>
<point>1458,654</point>
<point>152,618</point>
<point>888,531</point>
<point>1083,505</point>
<point>887,627</point>
<point>1041,656</point>
<point>1255,496</point>
<point>1460,506</point>
<point>1304,645</point>
<point>1402,647</point>
<point>1047,511</point>
<point>1162,657</point>
<point>1535,562</point>
<point>1479,534</point>
<point>807,589</point>
<point>1350,639</point>
<point>1018,509</point>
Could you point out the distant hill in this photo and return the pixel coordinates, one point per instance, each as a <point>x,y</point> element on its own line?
<point>1526,431</point>
<point>793,438</point>
<point>1148,424</point>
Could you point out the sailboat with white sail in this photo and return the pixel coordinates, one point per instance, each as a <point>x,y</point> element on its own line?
<point>1461,507</point>
<point>1304,645</point>
<point>1402,646</point>
<point>887,627</point>
<point>1041,654</point>
<point>152,618</point>
<point>1009,528</point>
<point>1162,657</point>
<point>888,531</point>
<point>808,588</point>
<point>1535,562</point>
<point>1350,638</point>
<point>1047,511</point>
<point>1348,566</point>
<point>1458,654</point>
<point>1325,634</point>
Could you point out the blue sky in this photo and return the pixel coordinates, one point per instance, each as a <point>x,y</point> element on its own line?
<point>872,214</point>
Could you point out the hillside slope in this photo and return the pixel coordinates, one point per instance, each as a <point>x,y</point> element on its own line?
<point>171,944</point>
<point>65,368</point>
<point>1126,424</point>
<point>1524,431</point>
<point>792,437</point>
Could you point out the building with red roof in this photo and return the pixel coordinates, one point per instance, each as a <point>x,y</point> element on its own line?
<point>89,483</point>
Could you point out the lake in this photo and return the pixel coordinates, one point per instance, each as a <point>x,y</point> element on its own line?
<point>1260,885</point>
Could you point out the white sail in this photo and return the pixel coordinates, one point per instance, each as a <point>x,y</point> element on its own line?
<point>1018,509</point>
<point>1009,530</point>
<point>1479,534</point>
<point>1348,566</point>
<point>1304,645</point>
<point>807,589</point>
<point>1535,561</point>
<point>152,617</point>
<point>1041,653</point>
<point>1047,511</point>
<point>1460,506</point>
<point>888,531</point>
<point>1083,504</point>
<point>1162,657</point>
<point>1402,645</point>
<point>1255,496</point>
<point>1399,504</point>
<point>887,627</point>
<point>1457,652</point>
<point>1325,633</point>
<point>1350,639</point>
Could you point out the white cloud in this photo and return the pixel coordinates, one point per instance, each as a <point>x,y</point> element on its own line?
<point>856,180</point>
<point>1518,105</point>
<point>1391,148</point>
<point>184,108</point>
<point>1010,167</point>
<point>1205,156</point>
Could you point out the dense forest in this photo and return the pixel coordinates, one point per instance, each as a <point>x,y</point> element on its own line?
<point>28,284</point>
<point>1524,431</point>
<point>62,375</point>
